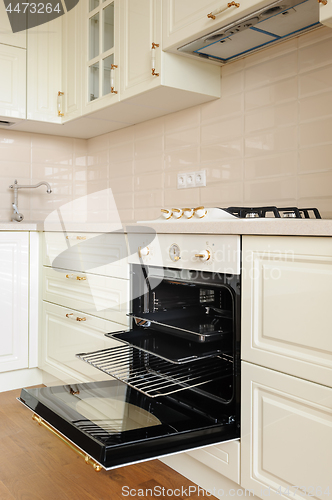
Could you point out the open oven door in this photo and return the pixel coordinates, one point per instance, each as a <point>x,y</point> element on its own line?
<point>115,425</point>
<point>153,408</point>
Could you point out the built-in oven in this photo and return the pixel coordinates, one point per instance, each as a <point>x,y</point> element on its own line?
<point>172,381</point>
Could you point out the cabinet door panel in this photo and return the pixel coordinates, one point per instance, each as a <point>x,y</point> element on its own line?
<point>13,82</point>
<point>100,296</point>
<point>64,337</point>
<point>140,27</point>
<point>104,254</point>
<point>6,35</point>
<point>44,71</point>
<point>286,435</point>
<point>14,274</point>
<point>224,458</point>
<point>286,305</point>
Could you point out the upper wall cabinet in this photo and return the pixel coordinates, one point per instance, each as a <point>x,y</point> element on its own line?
<point>44,71</point>
<point>325,13</point>
<point>101,48</point>
<point>184,20</point>
<point>6,35</point>
<point>12,83</point>
<point>70,101</point>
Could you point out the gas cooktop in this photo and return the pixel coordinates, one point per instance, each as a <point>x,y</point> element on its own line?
<point>216,214</point>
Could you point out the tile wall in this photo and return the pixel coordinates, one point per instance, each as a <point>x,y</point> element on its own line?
<point>268,140</point>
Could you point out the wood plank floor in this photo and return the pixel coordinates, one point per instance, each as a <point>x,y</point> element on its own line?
<point>35,465</point>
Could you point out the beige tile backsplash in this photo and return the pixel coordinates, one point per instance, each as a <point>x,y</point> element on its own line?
<point>268,140</point>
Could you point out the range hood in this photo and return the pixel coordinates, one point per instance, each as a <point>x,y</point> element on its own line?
<point>278,21</point>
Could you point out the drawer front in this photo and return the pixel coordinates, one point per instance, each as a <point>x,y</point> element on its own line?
<point>223,458</point>
<point>101,296</point>
<point>97,253</point>
<point>286,305</point>
<point>286,435</point>
<point>63,337</point>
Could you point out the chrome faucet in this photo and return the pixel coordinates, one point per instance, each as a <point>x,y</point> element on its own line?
<point>17,216</point>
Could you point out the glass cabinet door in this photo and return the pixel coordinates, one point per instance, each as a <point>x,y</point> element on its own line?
<point>101,48</point>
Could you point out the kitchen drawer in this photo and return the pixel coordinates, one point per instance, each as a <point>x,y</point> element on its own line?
<point>286,435</point>
<point>286,305</point>
<point>224,458</point>
<point>62,337</point>
<point>97,253</point>
<point>101,296</point>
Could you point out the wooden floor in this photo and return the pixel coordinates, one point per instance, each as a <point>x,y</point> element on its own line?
<point>35,465</point>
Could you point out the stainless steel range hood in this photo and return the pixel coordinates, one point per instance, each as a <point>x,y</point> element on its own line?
<point>280,20</point>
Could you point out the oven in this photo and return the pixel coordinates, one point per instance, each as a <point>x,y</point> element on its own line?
<point>172,380</point>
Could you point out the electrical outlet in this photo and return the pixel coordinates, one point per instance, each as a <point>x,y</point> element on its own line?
<point>200,178</point>
<point>191,179</point>
<point>182,181</point>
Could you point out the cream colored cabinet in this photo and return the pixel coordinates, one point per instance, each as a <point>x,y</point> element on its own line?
<point>185,20</point>
<point>85,295</point>
<point>325,13</point>
<point>67,332</point>
<point>44,79</point>
<point>14,304</point>
<point>6,35</point>
<point>286,441</point>
<point>12,83</point>
<point>101,47</point>
<point>72,55</point>
<point>286,305</point>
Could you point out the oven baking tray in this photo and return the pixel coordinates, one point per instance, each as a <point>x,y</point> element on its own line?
<point>167,347</point>
<point>195,327</point>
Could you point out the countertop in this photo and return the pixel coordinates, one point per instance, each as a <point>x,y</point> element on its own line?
<point>268,226</point>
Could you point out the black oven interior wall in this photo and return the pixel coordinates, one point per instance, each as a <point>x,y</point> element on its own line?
<point>190,322</point>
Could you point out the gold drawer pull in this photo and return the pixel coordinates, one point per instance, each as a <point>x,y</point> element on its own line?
<point>71,316</point>
<point>76,237</point>
<point>79,278</point>
<point>222,9</point>
<point>88,460</point>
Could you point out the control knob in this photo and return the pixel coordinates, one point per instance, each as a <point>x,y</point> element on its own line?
<point>204,255</point>
<point>200,212</point>
<point>143,252</point>
<point>166,213</point>
<point>177,213</point>
<point>188,212</point>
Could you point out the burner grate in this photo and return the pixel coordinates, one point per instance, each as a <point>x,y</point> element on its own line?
<point>153,376</point>
<point>298,213</point>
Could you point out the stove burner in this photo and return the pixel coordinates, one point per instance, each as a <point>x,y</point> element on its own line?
<point>289,212</point>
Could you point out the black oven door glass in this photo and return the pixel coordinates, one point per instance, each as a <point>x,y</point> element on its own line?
<point>117,425</point>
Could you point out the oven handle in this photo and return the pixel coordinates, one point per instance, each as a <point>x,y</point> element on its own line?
<point>88,460</point>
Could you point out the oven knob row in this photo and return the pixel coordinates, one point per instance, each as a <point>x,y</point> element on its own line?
<point>204,255</point>
<point>143,251</point>
<point>188,213</point>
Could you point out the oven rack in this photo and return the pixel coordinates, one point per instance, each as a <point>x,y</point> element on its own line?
<point>155,377</point>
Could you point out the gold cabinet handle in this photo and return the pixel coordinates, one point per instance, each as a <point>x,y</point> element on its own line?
<point>323,2</point>
<point>75,237</point>
<point>113,67</point>
<point>71,316</point>
<point>153,59</point>
<point>78,278</point>
<point>216,12</point>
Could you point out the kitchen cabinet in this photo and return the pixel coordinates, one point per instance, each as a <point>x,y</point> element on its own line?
<point>13,85</point>
<point>185,20</point>
<point>6,35</point>
<point>286,441</point>
<point>286,305</point>
<point>325,13</point>
<point>44,76</point>
<point>72,56</point>
<point>14,304</point>
<point>85,295</point>
<point>101,46</point>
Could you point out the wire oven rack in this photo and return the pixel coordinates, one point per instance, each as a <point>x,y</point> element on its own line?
<point>154,376</point>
